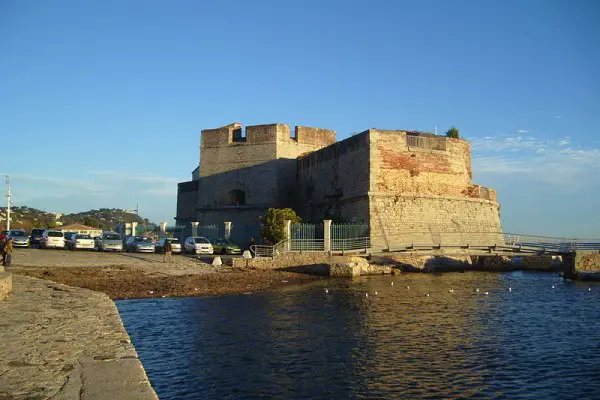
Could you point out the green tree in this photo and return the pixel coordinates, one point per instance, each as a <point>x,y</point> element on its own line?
<point>273,228</point>
<point>453,133</point>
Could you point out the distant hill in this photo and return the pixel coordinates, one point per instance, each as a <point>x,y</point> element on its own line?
<point>104,218</point>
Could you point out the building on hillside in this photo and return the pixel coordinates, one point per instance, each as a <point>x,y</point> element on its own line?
<point>397,182</point>
<point>80,229</point>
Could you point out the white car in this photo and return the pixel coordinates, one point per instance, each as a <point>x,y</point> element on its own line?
<point>53,239</point>
<point>80,241</point>
<point>197,245</point>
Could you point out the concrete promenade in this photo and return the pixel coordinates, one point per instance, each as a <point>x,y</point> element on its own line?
<point>62,342</point>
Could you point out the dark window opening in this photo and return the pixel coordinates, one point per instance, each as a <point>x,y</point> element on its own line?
<point>239,135</point>
<point>237,197</point>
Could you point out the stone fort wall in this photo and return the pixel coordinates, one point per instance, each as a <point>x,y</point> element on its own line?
<point>400,182</point>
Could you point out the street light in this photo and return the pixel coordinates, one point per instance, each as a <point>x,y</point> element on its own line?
<point>7,203</point>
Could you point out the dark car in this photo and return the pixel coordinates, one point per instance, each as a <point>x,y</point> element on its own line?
<point>36,237</point>
<point>175,245</point>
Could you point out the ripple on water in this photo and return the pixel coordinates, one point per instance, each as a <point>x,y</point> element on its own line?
<point>530,343</point>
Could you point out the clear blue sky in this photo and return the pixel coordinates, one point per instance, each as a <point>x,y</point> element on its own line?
<point>102,102</point>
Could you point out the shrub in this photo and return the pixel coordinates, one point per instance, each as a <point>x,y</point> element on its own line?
<point>453,133</point>
<point>273,229</point>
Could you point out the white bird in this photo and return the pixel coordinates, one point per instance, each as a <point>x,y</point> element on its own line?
<point>408,287</point>
<point>451,290</point>
<point>486,293</point>
<point>391,283</point>
<point>150,291</point>
<point>510,289</point>
<point>375,292</point>
<point>427,295</point>
<point>366,294</point>
<point>477,290</point>
<point>326,290</point>
<point>552,286</point>
<point>589,289</point>
<point>164,295</point>
<point>195,288</point>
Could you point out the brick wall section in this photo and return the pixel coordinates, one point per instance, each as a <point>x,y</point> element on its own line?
<point>398,168</point>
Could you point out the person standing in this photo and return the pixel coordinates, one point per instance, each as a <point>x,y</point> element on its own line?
<point>7,252</point>
<point>168,249</point>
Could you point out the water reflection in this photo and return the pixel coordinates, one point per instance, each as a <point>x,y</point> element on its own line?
<point>533,342</point>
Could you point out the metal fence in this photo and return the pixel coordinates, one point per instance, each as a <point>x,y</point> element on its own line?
<point>306,245</point>
<point>209,231</point>
<point>306,231</point>
<point>349,237</point>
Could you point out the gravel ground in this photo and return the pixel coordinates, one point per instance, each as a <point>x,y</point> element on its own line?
<point>135,275</point>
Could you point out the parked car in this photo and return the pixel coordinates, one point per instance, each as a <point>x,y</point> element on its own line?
<point>53,239</point>
<point>109,241</point>
<point>19,237</point>
<point>197,245</point>
<point>80,241</point>
<point>35,239</point>
<point>139,244</point>
<point>225,246</point>
<point>175,245</point>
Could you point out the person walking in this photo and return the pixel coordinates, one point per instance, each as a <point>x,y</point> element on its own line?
<point>168,249</point>
<point>7,252</point>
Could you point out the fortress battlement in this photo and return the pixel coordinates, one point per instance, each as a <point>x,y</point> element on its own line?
<point>235,134</point>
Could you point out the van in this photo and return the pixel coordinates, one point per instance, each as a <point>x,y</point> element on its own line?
<point>53,239</point>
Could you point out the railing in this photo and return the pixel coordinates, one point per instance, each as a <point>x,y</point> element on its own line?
<point>306,245</point>
<point>546,243</point>
<point>490,239</point>
<point>350,244</point>
<point>260,250</point>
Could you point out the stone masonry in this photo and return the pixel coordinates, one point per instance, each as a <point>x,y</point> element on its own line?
<point>401,183</point>
<point>62,342</point>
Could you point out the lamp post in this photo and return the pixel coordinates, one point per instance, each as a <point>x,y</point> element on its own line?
<point>7,202</point>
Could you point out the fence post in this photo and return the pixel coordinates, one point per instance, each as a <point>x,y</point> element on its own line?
<point>288,233</point>
<point>133,226</point>
<point>327,235</point>
<point>227,229</point>
<point>195,228</point>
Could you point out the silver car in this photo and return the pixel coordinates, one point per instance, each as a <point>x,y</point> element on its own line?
<point>19,237</point>
<point>110,241</point>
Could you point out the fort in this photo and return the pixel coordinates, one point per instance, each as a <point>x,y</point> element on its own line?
<point>397,182</point>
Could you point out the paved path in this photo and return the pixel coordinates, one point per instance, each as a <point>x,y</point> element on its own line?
<point>61,342</point>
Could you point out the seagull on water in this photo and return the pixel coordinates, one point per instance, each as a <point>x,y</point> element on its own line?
<point>427,295</point>
<point>366,294</point>
<point>486,293</point>
<point>375,293</point>
<point>477,290</point>
<point>552,286</point>
<point>408,287</point>
<point>451,290</point>
<point>510,289</point>
<point>589,289</point>
<point>391,283</point>
<point>326,290</point>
